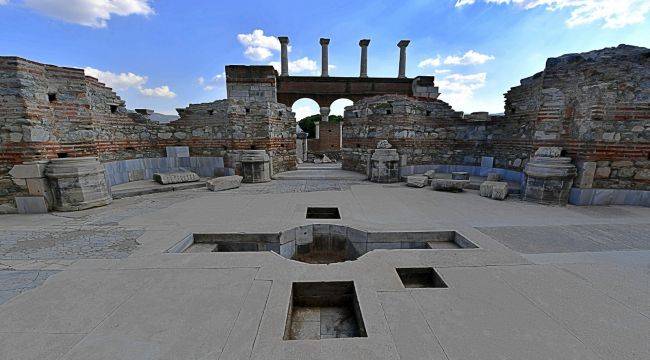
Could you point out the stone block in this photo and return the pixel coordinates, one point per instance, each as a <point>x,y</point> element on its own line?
<point>586,175</point>
<point>449,184</point>
<point>460,175</point>
<point>31,204</point>
<point>177,151</point>
<point>493,176</point>
<point>487,162</point>
<point>419,181</point>
<point>494,189</point>
<point>430,174</point>
<point>603,172</point>
<point>175,177</point>
<point>224,183</point>
<point>34,169</point>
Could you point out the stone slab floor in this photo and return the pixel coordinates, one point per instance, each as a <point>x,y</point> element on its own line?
<point>545,282</point>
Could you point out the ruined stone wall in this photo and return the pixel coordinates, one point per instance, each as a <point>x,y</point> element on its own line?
<point>329,138</point>
<point>595,105</point>
<point>425,132</point>
<point>48,111</point>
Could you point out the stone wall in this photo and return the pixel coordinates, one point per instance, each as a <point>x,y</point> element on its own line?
<point>329,138</point>
<point>595,105</point>
<point>48,112</point>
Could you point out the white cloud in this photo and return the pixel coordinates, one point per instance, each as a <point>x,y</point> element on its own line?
<point>4,2</point>
<point>442,71</point>
<point>93,13</point>
<point>125,81</point>
<point>298,66</point>
<point>469,58</point>
<point>458,89</point>
<point>613,13</point>
<point>430,62</point>
<point>161,91</point>
<point>121,81</point>
<point>257,53</point>
<point>215,82</point>
<point>258,46</point>
<point>303,111</point>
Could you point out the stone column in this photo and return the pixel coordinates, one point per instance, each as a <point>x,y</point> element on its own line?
<point>324,114</point>
<point>284,57</point>
<point>317,135</point>
<point>324,43</point>
<point>402,57</point>
<point>363,70</point>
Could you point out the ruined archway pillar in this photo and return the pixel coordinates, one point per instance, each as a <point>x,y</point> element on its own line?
<point>284,56</point>
<point>402,57</point>
<point>363,69</point>
<point>324,43</point>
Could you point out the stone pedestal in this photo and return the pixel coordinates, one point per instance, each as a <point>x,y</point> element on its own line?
<point>549,178</point>
<point>77,183</point>
<point>384,166</point>
<point>255,166</point>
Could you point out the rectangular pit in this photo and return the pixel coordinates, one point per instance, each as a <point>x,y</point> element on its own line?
<point>227,242</point>
<point>323,213</point>
<point>324,310</point>
<point>425,277</point>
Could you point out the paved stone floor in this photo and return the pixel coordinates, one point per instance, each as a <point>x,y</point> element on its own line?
<point>544,283</point>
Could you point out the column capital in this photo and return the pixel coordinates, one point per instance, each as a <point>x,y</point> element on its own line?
<point>283,39</point>
<point>324,41</point>
<point>364,42</point>
<point>403,43</point>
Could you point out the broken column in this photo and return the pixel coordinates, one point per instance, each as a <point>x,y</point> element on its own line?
<point>363,70</point>
<point>402,57</point>
<point>255,166</point>
<point>384,164</point>
<point>549,177</point>
<point>78,183</point>
<point>284,56</point>
<point>324,43</point>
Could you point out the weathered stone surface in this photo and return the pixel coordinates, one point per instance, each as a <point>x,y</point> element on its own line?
<point>419,181</point>
<point>602,172</point>
<point>224,183</point>
<point>175,177</point>
<point>460,175</point>
<point>493,177</point>
<point>642,174</point>
<point>586,175</point>
<point>28,170</point>
<point>384,144</point>
<point>77,183</point>
<point>549,180</point>
<point>449,184</point>
<point>548,151</point>
<point>255,166</point>
<point>31,204</point>
<point>494,189</point>
<point>177,151</point>
<point>384,166</point>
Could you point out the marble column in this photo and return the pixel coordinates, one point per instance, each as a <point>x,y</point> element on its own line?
<point>363,70</point>
<point>324,114</point>
<point>284,55</point>
<point>402,57</point>
<point>317,129</point>
<point>324,43</point>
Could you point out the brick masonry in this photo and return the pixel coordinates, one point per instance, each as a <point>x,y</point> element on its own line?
<point>48,111</point>
<point>595,105</point>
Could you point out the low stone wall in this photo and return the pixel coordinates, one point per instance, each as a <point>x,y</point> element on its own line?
<point>124,171</point>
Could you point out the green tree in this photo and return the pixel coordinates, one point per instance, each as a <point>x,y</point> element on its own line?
<point>308,125</point>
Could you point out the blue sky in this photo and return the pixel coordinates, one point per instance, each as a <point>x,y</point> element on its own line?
<point>167,54</point>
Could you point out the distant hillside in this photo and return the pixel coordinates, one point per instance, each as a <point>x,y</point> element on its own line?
<point>162,118</point>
